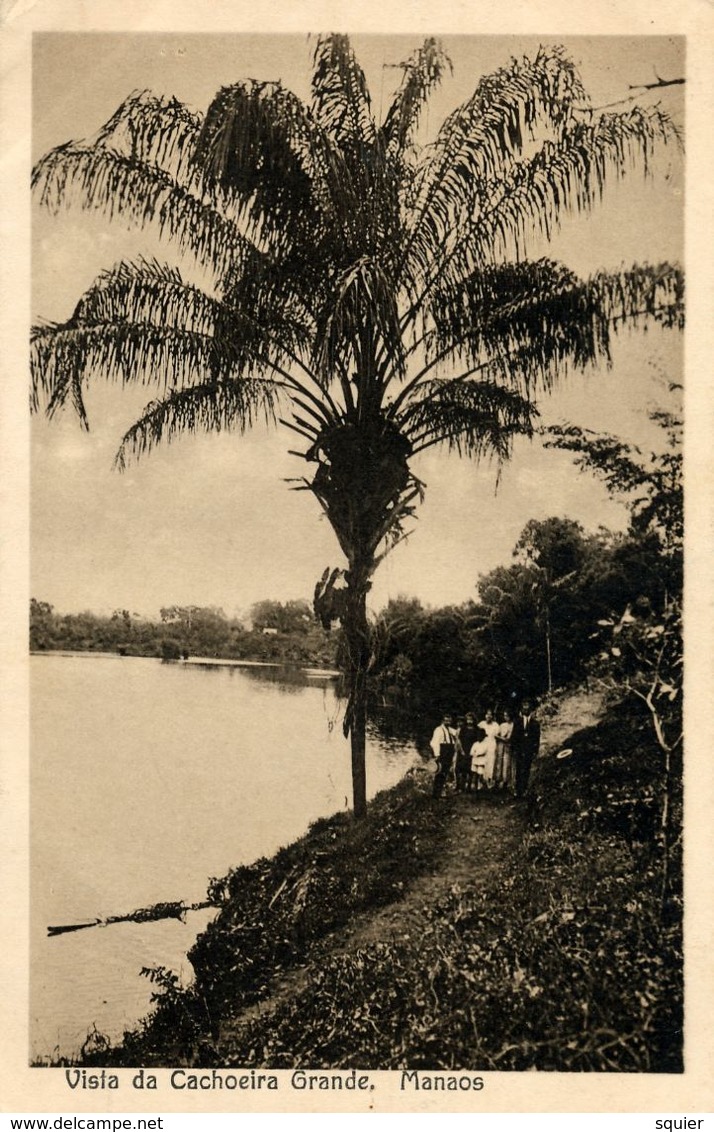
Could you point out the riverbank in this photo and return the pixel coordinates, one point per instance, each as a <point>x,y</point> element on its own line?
<point>198,662</point>
<point>472,932</point>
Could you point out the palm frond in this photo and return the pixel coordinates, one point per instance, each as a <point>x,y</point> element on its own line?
<point>305,199</point>
<point>364,173</point>
<point>139,195</point>
<point>570,177</point>
<point>527,204</point>
<point>211,407</point>
<point>233,339</point>
<point>522,324</point>
<point>157,130</point>
<point>361,317</point>
<point>261,146</point>
<point>422,73</point>
<point>649,291</point>
<point>63,356</point>
<point>539,310</point>
<point>147,292</point>
<point>263,313</point>
<point>252,324</point>
<point>340,99</point>
<point>482,141</point>
<point>471,417</point>
<point>527,323</point>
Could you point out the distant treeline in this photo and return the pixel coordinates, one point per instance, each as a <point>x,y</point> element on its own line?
<point>281,632</point>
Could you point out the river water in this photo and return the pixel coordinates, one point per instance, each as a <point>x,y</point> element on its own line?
<point>146,780</point>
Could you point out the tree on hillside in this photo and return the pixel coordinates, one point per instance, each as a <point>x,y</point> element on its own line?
<point>371,295</point>
<point>649,484</point>
<point>555,549</point>
<point>536,619</point>
<point>642,650</point>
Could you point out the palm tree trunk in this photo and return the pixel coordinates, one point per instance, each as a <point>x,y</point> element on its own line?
<point>358,747</point>
<point>357,638</point>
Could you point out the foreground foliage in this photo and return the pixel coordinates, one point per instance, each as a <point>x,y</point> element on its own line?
<point>276,911</point>
<point>564,964</point>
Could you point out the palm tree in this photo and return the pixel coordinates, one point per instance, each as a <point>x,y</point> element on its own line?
<point>371,296</point>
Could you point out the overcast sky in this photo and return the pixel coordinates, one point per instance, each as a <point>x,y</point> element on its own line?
<point>209,520</point>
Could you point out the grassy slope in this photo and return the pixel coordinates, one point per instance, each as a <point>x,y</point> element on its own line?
<point>463,934</point>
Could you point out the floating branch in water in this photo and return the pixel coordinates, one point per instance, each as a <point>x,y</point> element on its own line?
<point>167,910</point>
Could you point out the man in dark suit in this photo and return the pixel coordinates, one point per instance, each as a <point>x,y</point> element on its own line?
<point>525,744</point>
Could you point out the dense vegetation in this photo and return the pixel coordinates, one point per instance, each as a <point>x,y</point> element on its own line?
<point>538,623</point>
<point>532,628</point>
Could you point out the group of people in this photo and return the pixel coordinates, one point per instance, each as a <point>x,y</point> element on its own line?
<point>489,755</point>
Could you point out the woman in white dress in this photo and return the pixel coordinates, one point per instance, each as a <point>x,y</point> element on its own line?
<point>490,727</point>
<point>504,762</point>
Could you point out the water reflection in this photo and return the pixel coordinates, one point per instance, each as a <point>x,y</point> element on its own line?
<point>288,677</point>
<point>147,779</point>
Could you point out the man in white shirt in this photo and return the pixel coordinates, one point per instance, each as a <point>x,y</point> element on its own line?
<point>443,744</point>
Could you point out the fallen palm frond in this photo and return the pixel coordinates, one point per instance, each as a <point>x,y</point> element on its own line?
<point>165,910</point>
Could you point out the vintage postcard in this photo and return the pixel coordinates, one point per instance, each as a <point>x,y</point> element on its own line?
<point>356,757</point>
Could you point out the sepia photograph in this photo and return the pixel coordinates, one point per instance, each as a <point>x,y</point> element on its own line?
<point>356,552</point>
<point>356,538</point>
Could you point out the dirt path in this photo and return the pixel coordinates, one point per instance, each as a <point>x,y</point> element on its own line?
<point>483,833</point>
